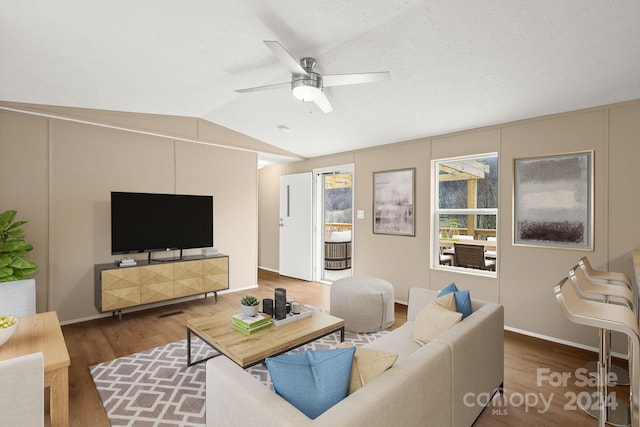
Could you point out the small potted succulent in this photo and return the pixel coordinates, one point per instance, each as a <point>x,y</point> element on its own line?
<point>249,305</point>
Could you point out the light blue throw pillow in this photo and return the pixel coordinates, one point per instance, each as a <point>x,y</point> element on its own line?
<point>312,381</point>
<point>463,299</point>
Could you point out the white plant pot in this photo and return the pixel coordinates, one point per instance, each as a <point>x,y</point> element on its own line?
<point>249,310</point>
<point>18,297</point>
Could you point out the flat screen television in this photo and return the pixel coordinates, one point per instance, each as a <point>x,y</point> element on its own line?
<point>148,222</point>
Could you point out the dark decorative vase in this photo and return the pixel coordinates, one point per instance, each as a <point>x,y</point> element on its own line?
<point>281,303</point>
<point>267,306</point>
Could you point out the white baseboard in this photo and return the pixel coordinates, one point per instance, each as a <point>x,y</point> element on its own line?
<point>268,269</point>
<point>230,291</point>
<point>561,341</point>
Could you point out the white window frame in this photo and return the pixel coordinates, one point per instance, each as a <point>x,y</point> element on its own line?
<point>437,212</point>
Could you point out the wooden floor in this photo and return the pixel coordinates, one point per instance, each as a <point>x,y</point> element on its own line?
<point>530,363</point>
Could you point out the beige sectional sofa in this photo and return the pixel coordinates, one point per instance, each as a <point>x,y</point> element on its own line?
<point>435,385</point>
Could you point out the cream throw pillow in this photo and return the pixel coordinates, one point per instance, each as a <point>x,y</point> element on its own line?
<point>367,364</point>
<point>435,318</point>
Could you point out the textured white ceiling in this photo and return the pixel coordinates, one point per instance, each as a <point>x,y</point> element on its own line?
<point>454,64</point>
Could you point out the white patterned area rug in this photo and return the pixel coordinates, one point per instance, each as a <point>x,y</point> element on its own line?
<point>155,388</point>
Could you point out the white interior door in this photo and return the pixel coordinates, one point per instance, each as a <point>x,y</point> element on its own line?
<point>296,229</point>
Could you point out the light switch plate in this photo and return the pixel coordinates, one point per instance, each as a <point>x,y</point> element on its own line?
<point>360,214</point>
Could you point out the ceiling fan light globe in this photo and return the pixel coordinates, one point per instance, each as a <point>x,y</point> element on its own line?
<point>306,93</point>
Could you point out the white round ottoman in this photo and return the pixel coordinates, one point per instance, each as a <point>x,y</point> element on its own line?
<point>365,303</point>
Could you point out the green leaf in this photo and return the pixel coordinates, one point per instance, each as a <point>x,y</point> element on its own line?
<point>20,274</point>
<point>13,239</point>
<point>16,224</point>
<point>6,218</point>
<point>24,246</point>
<point>6,272</point>
<point>26,272</point>
<point>14,261</point>
<point>16,232</point>
<point>5,260</point>
<point>16,245</point>
<point>22,263</point>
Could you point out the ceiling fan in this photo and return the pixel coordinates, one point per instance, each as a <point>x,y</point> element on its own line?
<point>306,84</point>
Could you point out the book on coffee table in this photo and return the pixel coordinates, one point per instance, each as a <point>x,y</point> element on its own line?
<point>250,330</point>
<point>250,321</point>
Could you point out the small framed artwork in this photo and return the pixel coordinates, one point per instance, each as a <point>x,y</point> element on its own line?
<point>393,202</point>
<point>553,201</point>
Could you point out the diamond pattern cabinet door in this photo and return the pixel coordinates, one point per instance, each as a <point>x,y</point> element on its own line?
<point>120,288</point>
<point>187,278</point>
<point>215,272</point>
<point>156,283</point>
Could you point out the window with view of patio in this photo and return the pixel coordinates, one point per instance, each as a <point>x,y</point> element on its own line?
<point>466,213</point>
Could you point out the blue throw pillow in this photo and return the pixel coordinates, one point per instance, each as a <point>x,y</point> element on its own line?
<point>463,299</point>
<point>312,381</point>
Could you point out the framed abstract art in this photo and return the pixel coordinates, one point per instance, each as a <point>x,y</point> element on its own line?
<point>393,202</point>
<point>553,201</point>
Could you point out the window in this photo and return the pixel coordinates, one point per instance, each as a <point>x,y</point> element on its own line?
<point>466,213</point>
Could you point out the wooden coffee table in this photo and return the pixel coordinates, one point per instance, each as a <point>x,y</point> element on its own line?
<point>248,350</point>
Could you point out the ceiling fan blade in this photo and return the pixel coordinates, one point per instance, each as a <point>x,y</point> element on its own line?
<point>267,87</point>
<point>330,80</point>
<point>285,58</point>
<point>323,103</point>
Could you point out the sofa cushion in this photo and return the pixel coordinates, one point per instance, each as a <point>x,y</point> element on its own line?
<point>340,236</point>
<point>435,318</point>
<point>312,381</point>
<point>463,299</point>
<point>399,341</point>
<point>367,365</point>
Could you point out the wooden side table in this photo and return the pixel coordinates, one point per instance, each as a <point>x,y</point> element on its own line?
<point>42,333</point>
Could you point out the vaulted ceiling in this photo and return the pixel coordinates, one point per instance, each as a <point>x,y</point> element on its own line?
<point>454,64</point>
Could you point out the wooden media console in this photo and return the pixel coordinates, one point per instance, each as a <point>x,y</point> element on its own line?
<point>148,282</point>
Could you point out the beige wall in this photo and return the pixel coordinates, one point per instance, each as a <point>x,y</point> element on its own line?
<point>59,175</point>
<point>526,275</point>
<point>176,126</point>
<point>269,235</point>
<point>24,186</point>
<point>398,259</point>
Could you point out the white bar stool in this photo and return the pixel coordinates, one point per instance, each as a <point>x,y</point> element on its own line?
<point>612,294</point>
<point>610,277</point>
<point>605,316</point>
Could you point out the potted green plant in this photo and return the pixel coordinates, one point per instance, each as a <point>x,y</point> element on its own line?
<point>17,290</point>
<point>14,250</point>
<point>249,305</point>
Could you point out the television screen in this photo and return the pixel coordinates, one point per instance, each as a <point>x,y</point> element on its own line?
<point>146,222</point>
